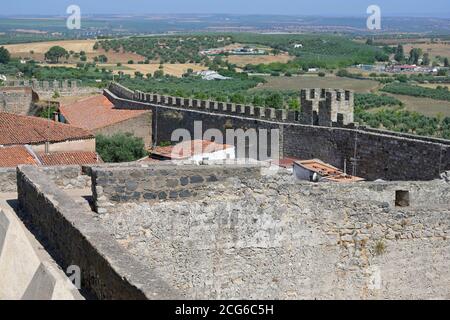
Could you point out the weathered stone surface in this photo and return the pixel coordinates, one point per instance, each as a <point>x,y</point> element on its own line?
<point>67,177</point>
<point>277,238</point>
<point>135,183</point>
<point>76,238</point>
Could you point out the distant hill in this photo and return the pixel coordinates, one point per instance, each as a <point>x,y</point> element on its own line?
<point>14,28</point>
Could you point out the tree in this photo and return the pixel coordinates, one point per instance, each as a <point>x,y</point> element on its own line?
<point>399,54</point>
<point>158,74</point>
<point>274,100</point>
<point>446,64</point>
<point>414,55</point>
<point>5,57</point>
<point>442,73</point>
<point>120,147</point>
<point>55,53</point>
<point>426,59</point>
<point>102,58</point>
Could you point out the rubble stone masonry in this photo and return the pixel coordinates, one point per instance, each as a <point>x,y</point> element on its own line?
<point>376,154</point>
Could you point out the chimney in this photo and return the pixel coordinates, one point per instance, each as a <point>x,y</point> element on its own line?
<point>47,147</point>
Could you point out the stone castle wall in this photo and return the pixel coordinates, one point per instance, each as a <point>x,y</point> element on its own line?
<point>160,181</point>
<point>65,177</point>
<point>251,237</point>
<point>73,237</point>
<point>140,127</point>
<point>17,100</point>
<point>277,238</point>
<point>379,154</point>
<point>46,89</point>
<point>325,107</point>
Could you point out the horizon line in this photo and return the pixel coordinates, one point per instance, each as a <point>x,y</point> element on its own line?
<point>312,15</point>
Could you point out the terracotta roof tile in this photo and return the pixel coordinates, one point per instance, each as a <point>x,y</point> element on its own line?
<point>188,149</point>
<point>327,171</point>
<point>17,129</point>
<point>285,162</point>
<point>16,155</point>
<point>68,158</point>
<point>96,112</point>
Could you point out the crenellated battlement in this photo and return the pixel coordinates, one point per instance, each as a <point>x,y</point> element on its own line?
<point>271,114</point>
<point>327,107</point>
<point>324,107</point>
<point>63,86</point>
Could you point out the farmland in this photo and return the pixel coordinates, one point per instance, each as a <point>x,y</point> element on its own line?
<point>425,106</point>
<point>176,69</point>
<point>242,61</point>
<point>441,49</point>
<point>313,81</point>
<point>42,47</point>
<point>36,51</point>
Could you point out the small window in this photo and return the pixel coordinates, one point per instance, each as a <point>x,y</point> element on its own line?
<point>401,198</point>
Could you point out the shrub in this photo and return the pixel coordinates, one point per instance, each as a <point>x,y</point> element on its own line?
<point>120,147</point>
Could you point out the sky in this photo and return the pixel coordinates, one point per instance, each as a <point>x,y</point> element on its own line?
<point>438,8</point>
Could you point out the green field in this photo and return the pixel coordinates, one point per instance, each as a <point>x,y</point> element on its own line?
<point>313,81</point>
<point>425,106</point>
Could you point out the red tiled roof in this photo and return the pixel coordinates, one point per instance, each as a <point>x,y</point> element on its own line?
<point>96,112</point>
<point>188,149</point>
<point>16,155</point>
<point>68,158</point>
<point>327,171</point>
<point>286,162</point>
<point>17,129</point>
<point>318,166</point>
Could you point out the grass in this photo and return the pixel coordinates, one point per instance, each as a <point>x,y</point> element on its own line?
<point>242,61</point>
<point>380,248</point>
<point>114,67</point>
<point>177,69</point>
<point>42,47</point>
<point>313,81</point>
<point>427,107</point>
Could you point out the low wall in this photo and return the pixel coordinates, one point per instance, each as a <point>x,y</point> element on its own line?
<point>160,181</point>
<point>66,177</point>
<point>74,237</point>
